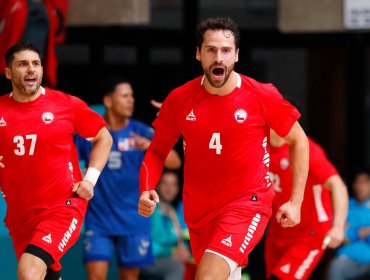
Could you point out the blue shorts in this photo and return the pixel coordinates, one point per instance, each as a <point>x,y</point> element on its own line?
<point>134,250</point>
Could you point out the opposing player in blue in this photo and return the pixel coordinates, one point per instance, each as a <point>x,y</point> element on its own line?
<point>112,223</point>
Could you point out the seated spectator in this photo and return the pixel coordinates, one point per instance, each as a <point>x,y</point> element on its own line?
<point>169,249</point>
<point>352,260</point>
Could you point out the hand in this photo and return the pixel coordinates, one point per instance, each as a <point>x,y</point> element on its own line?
<point>1,164</point>
<point>84,189</point>
<point>334,238</point>
<point>364,232</point>
<point>147,203</point>
<point>140,142</point>
<point>156,104</point>
<point>289,214</point>
<point>181,253</point>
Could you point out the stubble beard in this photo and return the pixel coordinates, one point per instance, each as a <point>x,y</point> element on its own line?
<point>228,71</point>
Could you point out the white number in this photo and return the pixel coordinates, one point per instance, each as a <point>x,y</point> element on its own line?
<point>21,150</point>
<point>275,179</point>
<point>115,161</point>
<point>215,143</point>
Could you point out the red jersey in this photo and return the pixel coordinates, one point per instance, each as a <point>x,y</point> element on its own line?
<point>225,143</point>
<point>36,142</point>
<point>316,211</point>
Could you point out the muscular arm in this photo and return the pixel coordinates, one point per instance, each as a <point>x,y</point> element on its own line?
<point>339,197</point>
<point>101,147</point>
<point>288,214</point>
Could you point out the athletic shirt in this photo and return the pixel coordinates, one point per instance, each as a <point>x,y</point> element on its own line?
<point>225,143</point>
<point>113,209</point>
<point>316,211</point>
<point>36,142</point>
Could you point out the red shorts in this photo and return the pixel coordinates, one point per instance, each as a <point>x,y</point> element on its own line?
<point>233,233</point>
<point>292,258</point>
<point>57,229</point>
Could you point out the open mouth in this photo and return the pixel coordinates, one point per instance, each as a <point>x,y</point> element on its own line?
<point>30,81</point>
<point>218,71</point>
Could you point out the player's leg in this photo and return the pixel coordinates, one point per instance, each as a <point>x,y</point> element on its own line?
<point>31,266</point>
<point>98,251</point>
<point>215,266</point>
<point>134,251</point>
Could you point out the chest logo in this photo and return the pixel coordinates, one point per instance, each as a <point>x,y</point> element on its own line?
<point>284,163</point>
<point>2,121</point>
<point>191,116</point>
<point>47,117</point>
<point>240,115</point>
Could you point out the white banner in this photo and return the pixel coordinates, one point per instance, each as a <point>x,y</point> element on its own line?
<point>356,14</point>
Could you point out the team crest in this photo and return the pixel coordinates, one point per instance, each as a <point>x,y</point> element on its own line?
<point>240,115</point>
<point>284,163</point>
<point>47,117</point>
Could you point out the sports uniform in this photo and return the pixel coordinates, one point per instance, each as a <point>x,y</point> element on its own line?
<point>41,167</point>
<point>227,192</point>
<point>292,253</point>
<point>112,220</point>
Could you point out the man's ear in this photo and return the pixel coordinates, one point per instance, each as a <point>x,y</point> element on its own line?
<point>197,56</point>
<point>8,73</point>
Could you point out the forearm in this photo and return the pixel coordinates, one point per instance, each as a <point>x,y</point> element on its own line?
<point>101,147</point>
<point>153,163</point>
<point>173,160</point>
<point>298,158</point>
<point>339,196</point>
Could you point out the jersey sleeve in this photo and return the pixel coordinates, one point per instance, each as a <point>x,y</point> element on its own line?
<point>87,122</point>
<point>165,136</point>
<point>279,113</point>
<point>319,166</point>
<point>165,124</point>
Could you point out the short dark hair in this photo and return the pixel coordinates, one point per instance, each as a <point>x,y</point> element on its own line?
<point>218,23</point>
<point>108,85</point>
<point>23,46</point>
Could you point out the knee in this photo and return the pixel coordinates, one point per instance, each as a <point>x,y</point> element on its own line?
<point>30,273</point>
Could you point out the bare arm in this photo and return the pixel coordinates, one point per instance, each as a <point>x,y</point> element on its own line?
<point>339,197</point>
<point>101,147</point>
<point>289,214</point>
<point>1,164</point>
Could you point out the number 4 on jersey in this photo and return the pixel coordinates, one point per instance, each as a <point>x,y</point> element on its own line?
<point>215,142</point>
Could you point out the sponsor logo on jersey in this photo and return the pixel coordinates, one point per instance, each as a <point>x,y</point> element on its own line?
<point>227,241</point>
<point>144,247</point>
<point>47,238</point>
<point>126,144</point>
<point>251,230</point>
<point>68,234</point>
<point>240,115</point>
<point>284,163</point>
<point>47,117</point>
<point>306,264</point>
<point>2,121</point>
<point>285,268</point>
<point>191,116</point>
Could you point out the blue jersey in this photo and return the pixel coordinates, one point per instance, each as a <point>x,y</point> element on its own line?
<point>358,217</point>
<point>113,209</point>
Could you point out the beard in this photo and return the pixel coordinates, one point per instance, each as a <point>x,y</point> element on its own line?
<point>226,72</point>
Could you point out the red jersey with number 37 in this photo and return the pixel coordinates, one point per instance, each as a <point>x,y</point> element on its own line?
<point>36,142</point>
<point>225,142</point>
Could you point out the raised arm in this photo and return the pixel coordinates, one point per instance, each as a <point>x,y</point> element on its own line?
<point>101,147</point>
<point>339,197</point>
<point>289,214</point>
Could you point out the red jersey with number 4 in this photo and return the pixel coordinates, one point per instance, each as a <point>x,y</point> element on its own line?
<point>36,142</point>
<point>316,211</point>
<point>225,143</point>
